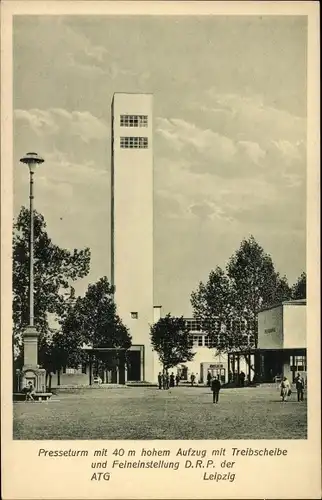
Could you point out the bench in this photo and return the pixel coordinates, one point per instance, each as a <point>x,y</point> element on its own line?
<point>38,396</point>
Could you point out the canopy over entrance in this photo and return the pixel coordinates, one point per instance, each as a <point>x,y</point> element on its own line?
<point>115,365</point>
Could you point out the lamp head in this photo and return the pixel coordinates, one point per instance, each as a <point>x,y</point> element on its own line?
<point>32,160</point>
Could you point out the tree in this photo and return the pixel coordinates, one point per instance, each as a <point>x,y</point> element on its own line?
<point>172,341</point>
<point>95,316</point>
<point>93,320</point>
<point>255,284</point>
<point>212,306</point>
<point>54,269</point>
<point>299,288</point>
<point>228,303</point>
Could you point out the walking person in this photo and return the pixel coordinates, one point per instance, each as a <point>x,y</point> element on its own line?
<point>285,389</point>
<point>209,377</point>
<point>172,380</point>
<point>160,380</point>
<point>242,377</point>
<point>215,387</point>
<point>299,383</point>
<point>192,379</point>
<point>177,379</point>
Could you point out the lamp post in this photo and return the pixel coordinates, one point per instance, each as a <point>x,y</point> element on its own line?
<point>31,371</point>
<point>33,161</point>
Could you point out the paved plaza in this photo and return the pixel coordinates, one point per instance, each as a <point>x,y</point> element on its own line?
<point>147,413</point>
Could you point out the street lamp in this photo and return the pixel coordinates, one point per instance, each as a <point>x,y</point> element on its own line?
<point>33,160</point>
<point>31,371</point>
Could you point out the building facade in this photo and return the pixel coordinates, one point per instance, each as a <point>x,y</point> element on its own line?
<point>206,358</point>
<point>132,225</point>
<point>282,340</point>
<point>281,352</point>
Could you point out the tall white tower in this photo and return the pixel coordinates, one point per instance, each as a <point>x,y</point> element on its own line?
<point>132,224</point>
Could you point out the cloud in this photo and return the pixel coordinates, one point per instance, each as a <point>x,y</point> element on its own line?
<point>41,122</point>
<point>170,205</point>
<point>187,194</point>
<point>291,151</point>
<point>33,29</point>
<point>237,176</point>
<point>251,119</point>
<point>239,138</point>
<point>181,134</point>
<point>82,44</point>
<point>75,177</point>
<point>61,178</point>
<point>252,150</point>
<point>55,121</point>
<point>67,61</point>
<point>91,70</point>
<point>209,210</point>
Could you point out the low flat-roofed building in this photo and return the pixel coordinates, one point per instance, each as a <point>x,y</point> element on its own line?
<point>282,340</point>
<point>207,358</point>
<point>281,352</point>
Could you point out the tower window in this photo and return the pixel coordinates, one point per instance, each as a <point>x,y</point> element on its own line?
<point>134,142</point>
<point>134,120</point>
<point>134,315</point>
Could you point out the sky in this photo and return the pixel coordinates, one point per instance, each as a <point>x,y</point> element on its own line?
<point>229,136</point>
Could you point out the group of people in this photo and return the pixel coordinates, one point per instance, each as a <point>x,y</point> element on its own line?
<point>238,378</point>
<point>286,390</point>
<point>166,381</point>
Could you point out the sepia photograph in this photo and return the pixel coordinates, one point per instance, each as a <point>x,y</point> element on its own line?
<point>160,293</point>
<point>159,232</point>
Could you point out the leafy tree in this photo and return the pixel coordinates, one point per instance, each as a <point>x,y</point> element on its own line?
<point>93,320</point>
<point>95,316</point>
<point>255,284</point>
<point>59,351</point>
<point>54,269</point>
<point>212,306</point>
<point>228,303</point>
<point>299,288</point>
<point>170,338</point>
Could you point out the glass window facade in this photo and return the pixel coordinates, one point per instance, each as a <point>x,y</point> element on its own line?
<point>134,142</point>
<point>134,120</point>
<point>193,325</point>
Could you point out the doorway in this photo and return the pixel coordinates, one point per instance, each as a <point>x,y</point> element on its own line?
<point>218,372</point>
<point>272,366</point>
<point>134,366</point>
